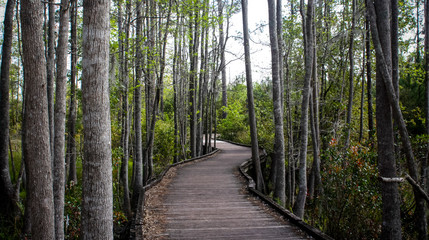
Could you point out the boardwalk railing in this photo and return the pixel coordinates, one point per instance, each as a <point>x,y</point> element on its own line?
<point>245,167</point>
<point>153,181</point>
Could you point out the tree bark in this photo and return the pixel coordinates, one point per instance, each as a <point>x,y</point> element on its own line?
<point>8,206</point>
<point>279,154</point>
<point>371,131</point>
<point>251,106</point>
<point>351,76</point>
<point>37,136</point>
<point>97,201</point>
<point>60,120</point>
<point>138,150</point>
<point>50,65</point>
<point>391,226</point>
<point>71,121</point>
<point>222,57</point>
<point>299,206</point>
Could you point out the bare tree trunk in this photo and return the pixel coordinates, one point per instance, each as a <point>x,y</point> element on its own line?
<point>368,76</point>
<point>425,169</point>
<point>299,206</point>
<point>391,227</point>
<point>251,106</point>
<point>60,120</point>
<point>138,150</point>
<point>37,136</point>
<point>51,71</point>
<point>279,154</point>
<point>71,124</point>
<point>9,205</point>
<point>97,190</point>
<point>222,56</point>
<point>351,76</point>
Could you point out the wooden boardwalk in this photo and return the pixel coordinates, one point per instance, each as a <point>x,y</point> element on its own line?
<point>206,201</point>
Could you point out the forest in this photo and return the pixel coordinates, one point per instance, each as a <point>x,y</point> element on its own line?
<point>97,98</point>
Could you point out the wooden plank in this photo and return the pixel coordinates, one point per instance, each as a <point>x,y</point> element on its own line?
<point>205,201</point>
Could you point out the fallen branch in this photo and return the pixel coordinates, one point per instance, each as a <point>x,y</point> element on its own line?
<point>417,187</point>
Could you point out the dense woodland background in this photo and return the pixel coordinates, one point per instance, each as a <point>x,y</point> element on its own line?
<point>98,97</point>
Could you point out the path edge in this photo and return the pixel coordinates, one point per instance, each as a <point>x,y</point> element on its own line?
<point>310,230</point>
<point>154,181</point>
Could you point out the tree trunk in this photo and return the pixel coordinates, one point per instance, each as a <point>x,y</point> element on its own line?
<point>222,57</point>
<point>97,200</point>
<point>279,154</point>
<point>37,136</point>
<point>251,106</point>
<point>50,64</point>
<point>426,66</point>
<point>391,226</point>
<point>60,120</point>
<point>371,130</point>
<point>299,206</point>
<point>351,77</point>
<point>138,150</point>
<point>71,121</point>
<point>9,205</point>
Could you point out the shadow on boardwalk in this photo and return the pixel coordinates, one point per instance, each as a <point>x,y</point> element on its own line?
<point>207,200</point>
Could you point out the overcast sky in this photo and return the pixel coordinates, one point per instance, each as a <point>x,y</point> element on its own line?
<point>259,43</point>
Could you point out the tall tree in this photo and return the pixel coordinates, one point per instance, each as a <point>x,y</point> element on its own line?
<point>369,76</point>
<point>71,119</point>
<point>60,120</point>
<point>380,17</point>
<point>299,206</point>
<point>6,188</point>
<point>37,141</point>
<point>222,55</point>
<point>279,152</point>
<point>138,150</point>
<point>97,201</point>
<point>426,171</point>
<point>351,76</point>
<point>50,66</point>
<point>251,106</point>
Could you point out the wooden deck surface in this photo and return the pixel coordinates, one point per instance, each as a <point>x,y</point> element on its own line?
<point>206,201</point>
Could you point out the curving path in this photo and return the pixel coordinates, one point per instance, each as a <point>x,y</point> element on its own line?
<point>206,201</point>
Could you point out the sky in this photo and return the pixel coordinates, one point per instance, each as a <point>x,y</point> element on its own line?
<point>259,43</point>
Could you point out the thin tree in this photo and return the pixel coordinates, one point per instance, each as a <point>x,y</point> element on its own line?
<point>8,205</point>
<point>71,119</point>
<point>279,153</point>
<point>97,193</point>
<point>138,149</point>
<point>299,206</point>
<point>50,66</point>
<point>222,55</point>
<point>351,76</point>
<point>369,76</point>
<point>251,106</point>
<point>426,26</point>
<point>37,141</point>
<point>60,120</point>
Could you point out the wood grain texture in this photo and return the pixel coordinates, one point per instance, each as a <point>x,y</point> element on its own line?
<point>206,201</point>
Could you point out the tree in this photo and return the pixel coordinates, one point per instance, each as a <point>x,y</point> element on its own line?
<point>299,206</point>
<point>60,119</point>
<point>50,67</point>
<point>391,227</point>
<point>37,146</point>
<point>351,76</point>
<point>222,56</point>
<point>71,119</point>
<point>97,193</point>
<point>251,106</point>
<point>6,188</point>
<point>279,154</point>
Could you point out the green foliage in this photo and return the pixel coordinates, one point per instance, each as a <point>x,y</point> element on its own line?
<point>72,211</point>
<point>234,126</point>
<point>350,207</point>
<point>163,151</point>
